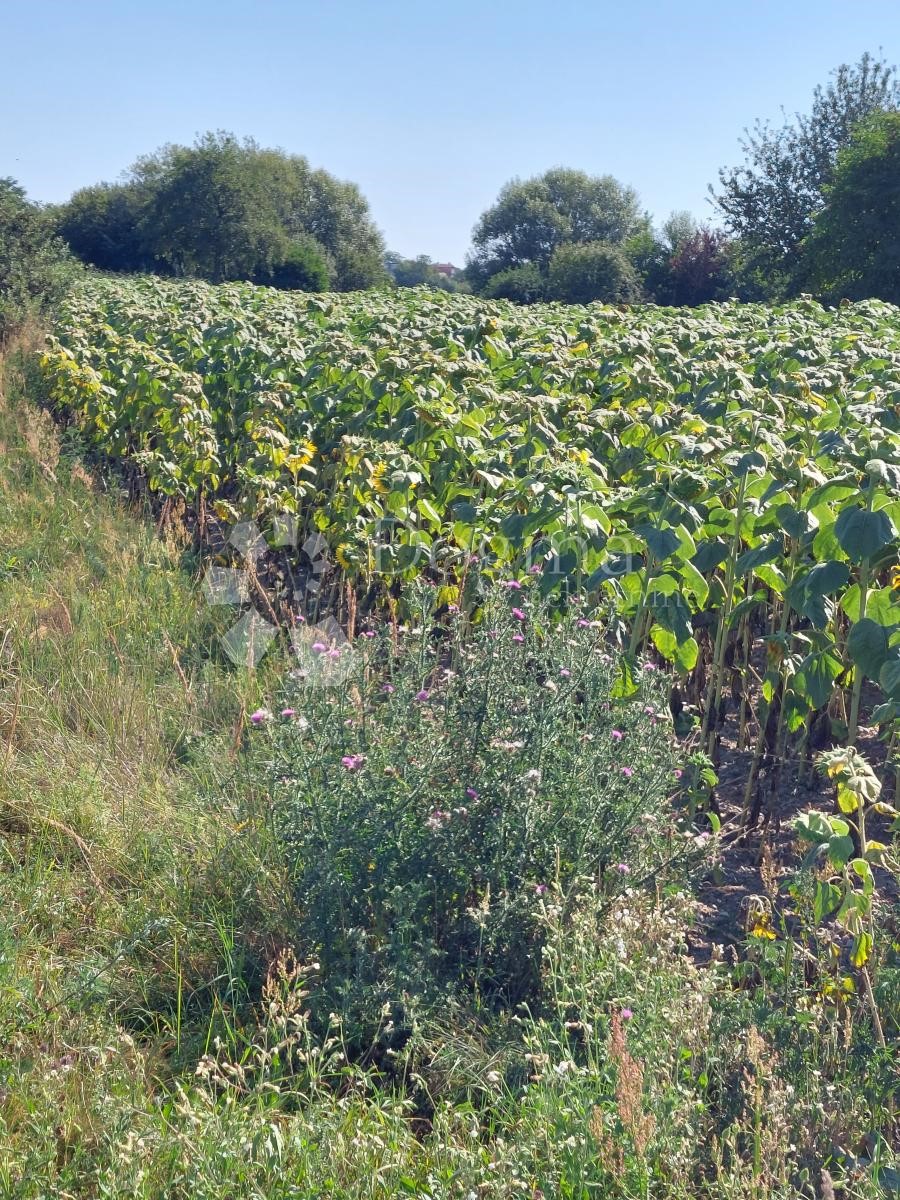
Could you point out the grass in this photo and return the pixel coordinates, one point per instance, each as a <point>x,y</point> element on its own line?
<point>159,1036</point>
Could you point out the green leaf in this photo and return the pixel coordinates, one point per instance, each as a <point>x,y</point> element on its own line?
<point>807,594</point>
<point>661,542</point>
<point>814,827</point>
<point>796,522</point>
<point>862,533</point>
<point>839,850</point>
<point>710,555</point>
<point>765,553</point>
<point>815,677</point>
<point>889,678</point>
<point>867,645</point>
<point>825,900</point>
<point>864,871</point>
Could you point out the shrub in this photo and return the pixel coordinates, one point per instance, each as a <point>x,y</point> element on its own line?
<point>428,804</point>
<point>35,267</point>
<point>303,268</point>
<point>524,285</point>
<point>593,271</point>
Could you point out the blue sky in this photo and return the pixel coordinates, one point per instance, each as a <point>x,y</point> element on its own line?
<point>430,107</point>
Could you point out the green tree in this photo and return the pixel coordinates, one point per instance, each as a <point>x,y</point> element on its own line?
<point>303,267</point>
<point>524,285</point>
<point>533,217</point>
<point>36,268</point>
<point>854,248</point>
<point>229,209</point>
<point>209,211</point>
<point>582,272</point>
<point>651,252</point>
<point>102,226</point>
<point>768,203</point>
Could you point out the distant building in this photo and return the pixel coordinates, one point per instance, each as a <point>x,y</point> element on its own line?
<point>447,269</point>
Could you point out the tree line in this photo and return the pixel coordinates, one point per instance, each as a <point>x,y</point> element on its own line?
<point>813,207</point>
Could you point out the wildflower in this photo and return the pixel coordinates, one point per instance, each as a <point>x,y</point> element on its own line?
<point>471,793</point>
<point>649,711</point>
<point>261,716</point>
<point>540,889</point>
<point>422,695</point>
<point>387,688</point>
<point>518,614</point>
<point>534,774</point>
<point>352,762</point>
<point>565,672</point>
<point>518,638</point>
<point>333,653</point>
<point>623,868</point>
<point>512,584</point>
<point>318,647</point>
<point>582,623</point>
<point>535,569</point>
<point>648,666</point>
<point>626,1014</point>
<point>289,712</point>
<point>453,608</point>
<point>628,772</point>
<point>678,772</point>
<point>437,819</point>
<point>617,735</point>
<point>368,633</point>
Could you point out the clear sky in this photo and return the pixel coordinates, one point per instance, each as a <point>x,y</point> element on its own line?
<point>429,106</point>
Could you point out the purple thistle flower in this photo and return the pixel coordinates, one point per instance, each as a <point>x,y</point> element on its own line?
<point>387,688</point>
<point>564,671</point>
<point>289,712</point>
<point>513,584</point>
<point>318,647</point>
<point>582,623</point>
<point>471,793</point>
<point>352,762</point>
<point>626,1014</point>
<point>260,716</point>
<point>422,695</point>
<point>628,772</point>
<point>623,868</point>
<point>517,637</point>
<point>540,889</point>
<point>518,614</point>
<point>617,735</point>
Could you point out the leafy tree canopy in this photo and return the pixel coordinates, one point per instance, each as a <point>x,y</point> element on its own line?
<point>229,209</point>
<point>584,271</point>
<point>533,217</point>
<point>768,202</point>
<point>35,266</point>
<point>854,248</point>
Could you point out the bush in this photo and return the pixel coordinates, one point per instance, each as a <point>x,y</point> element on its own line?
<point>592,271</point>
<point>524,285</point>
<point>302,269</point>
<point>35,267</point>
<point>426,806</point>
